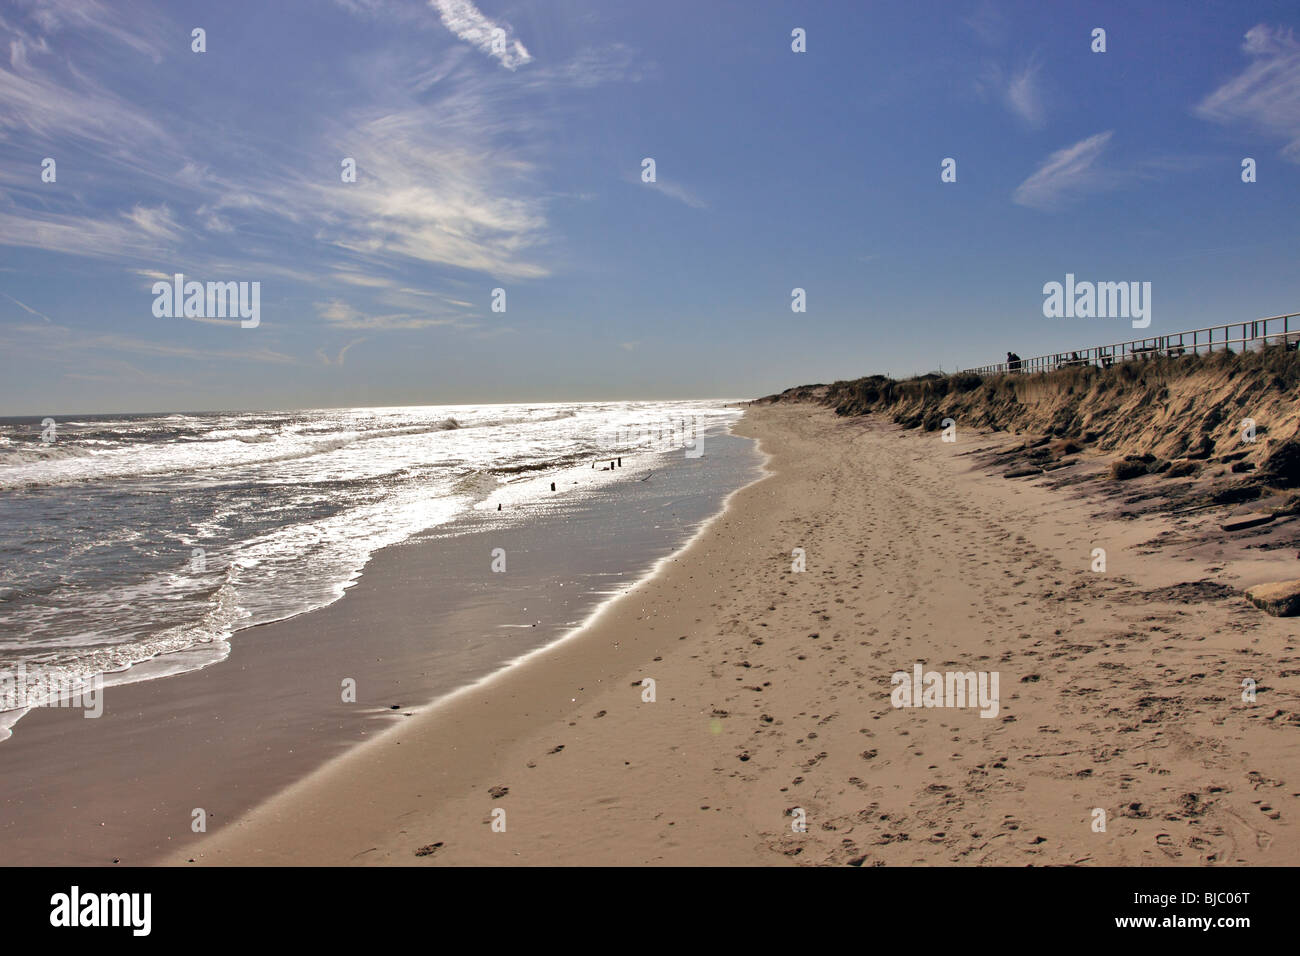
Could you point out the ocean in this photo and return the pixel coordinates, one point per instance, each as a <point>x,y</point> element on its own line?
<point>138,546</point>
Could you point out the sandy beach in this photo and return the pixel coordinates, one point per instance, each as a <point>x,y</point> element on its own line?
<point>1120,692</point>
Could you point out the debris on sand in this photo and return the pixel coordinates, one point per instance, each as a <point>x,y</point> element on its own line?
<point>1279,598</point>
<point>1246,521</point>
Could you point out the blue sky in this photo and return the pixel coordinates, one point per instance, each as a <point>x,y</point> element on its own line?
<point>517,165</point>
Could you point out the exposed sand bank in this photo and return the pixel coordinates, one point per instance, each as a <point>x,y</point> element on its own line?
<point>1189,412</point>
<point>773,693</point>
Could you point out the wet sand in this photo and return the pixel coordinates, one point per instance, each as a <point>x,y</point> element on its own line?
<point>425,618</point>
<point>1119,692</point>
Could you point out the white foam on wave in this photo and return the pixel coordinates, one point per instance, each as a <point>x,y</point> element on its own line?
<point>302,565</point>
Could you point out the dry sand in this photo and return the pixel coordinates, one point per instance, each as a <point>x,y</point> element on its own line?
<point>773,693</point>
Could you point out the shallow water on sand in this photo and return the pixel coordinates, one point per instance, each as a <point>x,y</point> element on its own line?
<point>426,617</point>
<point>135,546</point>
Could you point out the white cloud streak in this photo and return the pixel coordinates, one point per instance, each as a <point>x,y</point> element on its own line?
<point>26,308</point>
<point>1266,95</point>
<point>341,315</point>
<point>342,354</point>
<point>469,24</point>
<point>1065,175</point>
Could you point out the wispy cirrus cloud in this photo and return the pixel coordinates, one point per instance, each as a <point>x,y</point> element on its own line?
<point>364,280</point>
<point>154,221</point>
<point>469,24</point>
<point>342,353</point>
<point>462,202</point>
<point>1266,95</point>
<point>438,187</point>
<point>27,308</point>
<point>680,193</point>
<point>54,16</point>
<point>1020,91</point>
<point>1024,97</point>
<point>1065,175</point>
<point>39,104</point>
<point>129,235</point>
<point>670,189</point>
<point>341,315</point>
<point>596,66</point>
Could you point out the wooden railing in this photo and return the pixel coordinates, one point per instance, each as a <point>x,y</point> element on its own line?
<point>1274,330</point>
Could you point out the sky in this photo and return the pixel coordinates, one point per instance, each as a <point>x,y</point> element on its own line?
<point>500,145</point>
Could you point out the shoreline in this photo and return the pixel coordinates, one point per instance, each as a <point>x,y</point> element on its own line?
<point>228,736</point>
<point>769,684</point>
<point>197,630</point>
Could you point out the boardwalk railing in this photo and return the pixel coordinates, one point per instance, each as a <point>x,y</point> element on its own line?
<point>1274,330</point>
